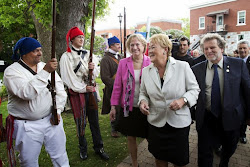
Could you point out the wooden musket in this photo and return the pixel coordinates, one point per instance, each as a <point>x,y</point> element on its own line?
<point>53,55</point>
<point>92,101</point>
<point>2,130</point>
<point>125,36</point>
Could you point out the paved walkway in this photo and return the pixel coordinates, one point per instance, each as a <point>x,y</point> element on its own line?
<point>241,157</point>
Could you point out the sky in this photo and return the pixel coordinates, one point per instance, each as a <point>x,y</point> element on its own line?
<point>139,10</point>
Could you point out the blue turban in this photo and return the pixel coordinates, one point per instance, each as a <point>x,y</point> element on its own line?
<point>24,45</point>
<point>113,40</point>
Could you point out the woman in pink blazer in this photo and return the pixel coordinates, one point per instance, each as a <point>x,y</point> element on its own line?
<point>131,122</point>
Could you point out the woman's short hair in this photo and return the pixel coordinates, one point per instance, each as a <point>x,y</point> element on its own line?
<point>163,41</point>
<point>140,38</point>
<point>210,36</point>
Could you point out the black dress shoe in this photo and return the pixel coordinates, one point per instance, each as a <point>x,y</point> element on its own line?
<point>102,154</point>
<point>83,155</point>
<point>243,140</point>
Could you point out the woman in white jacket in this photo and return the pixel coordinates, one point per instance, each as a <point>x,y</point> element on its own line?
<point>168,89</point>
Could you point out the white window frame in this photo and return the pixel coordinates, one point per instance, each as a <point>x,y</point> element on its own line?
<point>238,18</point>
<point>240,35</point>
<point>200,28</point>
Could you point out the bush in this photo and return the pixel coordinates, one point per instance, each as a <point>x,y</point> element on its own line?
<point>3,91</point>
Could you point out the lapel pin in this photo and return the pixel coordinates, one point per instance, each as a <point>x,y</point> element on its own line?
<point>227,69</point>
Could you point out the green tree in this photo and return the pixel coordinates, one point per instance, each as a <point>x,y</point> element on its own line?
<point>99,45</point>
<point>30,14</point>
<point>186,26</point>
<point>153,30</point>
<point>15,22</point>
<point>174,33</point>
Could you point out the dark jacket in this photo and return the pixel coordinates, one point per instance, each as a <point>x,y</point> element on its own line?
<point>236,106</point>
<point>108,68</point>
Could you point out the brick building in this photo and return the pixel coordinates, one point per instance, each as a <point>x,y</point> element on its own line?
<point>164,24</point>
<point>107,33</point>
<point>229,18</point>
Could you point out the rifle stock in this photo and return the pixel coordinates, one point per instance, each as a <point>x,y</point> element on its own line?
<point>2,130</point>
<point>92,101</point>
<point>53,55</point>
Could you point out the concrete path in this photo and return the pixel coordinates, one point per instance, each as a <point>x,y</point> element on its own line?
<point>241,157</point>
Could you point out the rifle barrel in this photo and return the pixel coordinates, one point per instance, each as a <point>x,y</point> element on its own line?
<point>92,101</point>
<point>53,55</point>
<point>125,36</point>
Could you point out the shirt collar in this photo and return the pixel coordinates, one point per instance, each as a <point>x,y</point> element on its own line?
<point>220,64</point>
<point>114,52</point>
<point>78,48</point>
<point>245,59</point>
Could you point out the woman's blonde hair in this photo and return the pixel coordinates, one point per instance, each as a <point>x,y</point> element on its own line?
<point>140,38</point>
<point>163,41</point>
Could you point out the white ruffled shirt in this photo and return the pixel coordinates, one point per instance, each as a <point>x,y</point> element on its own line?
<point>77,81</point>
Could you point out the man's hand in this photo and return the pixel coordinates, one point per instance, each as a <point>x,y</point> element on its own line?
<point>91,66</point>
<point>144,107</point>
<point>177,104</point>
<point>112,113</point>
<point>51,65</point>
<point>90,88</point>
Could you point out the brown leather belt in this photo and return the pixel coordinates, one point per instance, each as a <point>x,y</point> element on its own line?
<point>24,119</point>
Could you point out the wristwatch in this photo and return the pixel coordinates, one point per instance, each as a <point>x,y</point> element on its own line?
<point>185,100</point>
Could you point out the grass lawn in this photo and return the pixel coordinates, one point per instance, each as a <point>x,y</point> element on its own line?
<point>115,147</point>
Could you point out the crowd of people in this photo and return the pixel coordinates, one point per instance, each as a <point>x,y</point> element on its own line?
<point>156,97</point>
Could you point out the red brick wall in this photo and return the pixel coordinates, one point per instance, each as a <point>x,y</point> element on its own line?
<point>230,20</point>
<point>114,32</point>
<point>164,25</point>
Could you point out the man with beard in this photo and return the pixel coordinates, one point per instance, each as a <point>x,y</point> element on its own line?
<point>183,49</point>
<point>220,109</point>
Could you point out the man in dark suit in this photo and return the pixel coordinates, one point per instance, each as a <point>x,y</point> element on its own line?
<point>222,104</point>
<point>243,49</point>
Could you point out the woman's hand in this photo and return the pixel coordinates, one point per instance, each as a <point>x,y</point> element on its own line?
<point>144,107</point>
<point>177,104</point>
<point>112,113</point>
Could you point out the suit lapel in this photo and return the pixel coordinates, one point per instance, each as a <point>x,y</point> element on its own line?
<point>248,63</point>
<point>170,70</point>
<point>202,74</point>
<point>154,75</point>
<point>226,70</point>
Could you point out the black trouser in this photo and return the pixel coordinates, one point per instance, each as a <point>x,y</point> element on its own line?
<point>243,129</point>
<point>209,136</point>
<point>93,120</point>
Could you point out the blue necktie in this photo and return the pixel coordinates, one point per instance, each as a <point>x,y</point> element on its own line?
<point>215,94</point>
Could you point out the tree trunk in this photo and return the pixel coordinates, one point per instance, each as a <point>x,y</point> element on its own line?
<point>70,14</point>
<point>44,37</point>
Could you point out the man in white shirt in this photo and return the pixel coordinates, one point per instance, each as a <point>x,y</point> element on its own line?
<point>243,49</point>
<point>74,67</point>
<point>30,106</point>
